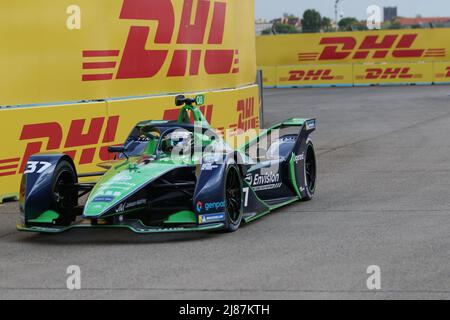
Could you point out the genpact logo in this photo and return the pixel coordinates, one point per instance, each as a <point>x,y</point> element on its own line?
<point>214,205</point>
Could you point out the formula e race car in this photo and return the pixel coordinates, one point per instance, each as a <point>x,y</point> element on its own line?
<point>173,176</point>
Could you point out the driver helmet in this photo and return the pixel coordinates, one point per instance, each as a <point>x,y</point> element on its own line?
<point>147,133</point>
<point>181,140</point>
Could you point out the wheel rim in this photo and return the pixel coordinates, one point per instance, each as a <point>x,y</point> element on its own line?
<point>310,169</point>
<point>233,196</point>
<point>63,199</point>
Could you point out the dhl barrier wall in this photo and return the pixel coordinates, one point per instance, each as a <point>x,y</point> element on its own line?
<point>59,57</point>
<point>123,48</point>
<point>355,58</point>
<point>85,130</point>
<point>354,47</point>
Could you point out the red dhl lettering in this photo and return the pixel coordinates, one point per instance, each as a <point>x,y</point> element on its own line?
<point>444,74</point>
<point>84,136</point>
<point>373,46</point>
<point>246,114</point>
<point>245,109</point>
<point>247,119</point>
<point>139,62</point>
<point>172,114</point>
<point>80,134</point>
<point>311,75</point>
<point>389,73</point>
<point>339,48</point>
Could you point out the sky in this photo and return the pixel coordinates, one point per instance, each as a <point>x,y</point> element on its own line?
<point>269,9</point>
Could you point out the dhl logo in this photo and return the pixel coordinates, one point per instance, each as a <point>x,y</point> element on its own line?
<point>373,46</point>
<point>245,109</point>
<point>388,73</point>
<point>87,140</point>
<point>172,114</point>
<point>82,134</point>
<point>445,74</point>
<point>312,75</point>
<point>168,46</point>
<point>247,119</point>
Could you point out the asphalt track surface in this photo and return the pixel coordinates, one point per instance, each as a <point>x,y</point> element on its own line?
<point>383,199</point>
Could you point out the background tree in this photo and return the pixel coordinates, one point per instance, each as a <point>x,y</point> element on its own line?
<point>280,28</point>
<point>266,32</point>
<point>284,28</point>
<point>289,16</point>
<point>312,21</point>
<point>327,24</point>
<point>392,25</point>
<point>349,24</point>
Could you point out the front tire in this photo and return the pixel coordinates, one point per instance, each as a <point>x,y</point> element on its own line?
<point>233,198</point>
<point>64,200</point>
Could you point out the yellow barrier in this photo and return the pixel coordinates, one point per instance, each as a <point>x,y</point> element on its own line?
<point>269,76</point>
<point>117,51</point>
<point>77,129</point>
<point>354,47</point>
<point>357,74</point>
<point>389,73</point>
<point>315,75</point>
<point>73,50</point>
<point>85,130</point>
<point>355,58</point>
<point>441,72</point>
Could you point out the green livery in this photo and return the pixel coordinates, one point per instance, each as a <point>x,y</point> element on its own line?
<point>174,176</point>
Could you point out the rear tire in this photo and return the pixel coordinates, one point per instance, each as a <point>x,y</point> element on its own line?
<point>234,209</point>
<point>310,171</point>
<point>64,200</point>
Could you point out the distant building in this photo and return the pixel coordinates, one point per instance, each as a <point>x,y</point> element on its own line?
<point>424,22</point>
<point>278,20</point>
<point>295,22</point>
<point>390,13</point>
<point>261,25</point>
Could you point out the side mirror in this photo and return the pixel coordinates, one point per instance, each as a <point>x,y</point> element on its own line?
<point>117,149</point>
<point>180,100</point>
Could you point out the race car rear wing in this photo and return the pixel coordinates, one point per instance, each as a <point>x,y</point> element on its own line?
<point>308,126</point>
